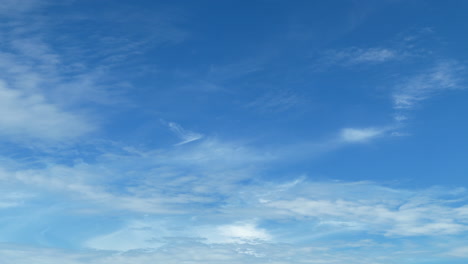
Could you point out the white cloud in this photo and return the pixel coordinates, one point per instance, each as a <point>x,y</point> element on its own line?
<point>355,135</point>
<point>240,232</point>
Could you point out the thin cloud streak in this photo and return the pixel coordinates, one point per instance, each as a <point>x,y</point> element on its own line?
<point>185,135</point>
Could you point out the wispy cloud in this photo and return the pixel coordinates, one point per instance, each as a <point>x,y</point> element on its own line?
<point>395,213</point>
<point>343,206</point>
<point>15,7</point>
<point>30,116</point>
<point>166,180</point>
<point>190,252</point>
<point>356,135</point>
<point>196,197</point>
<point>185,135</point>
<point>276,101</point>
<point>10,199</point>
<point>154,233</point>
<point>446,75</point>
<point>208,200</point>
<point>239,233</point>
<point>354,56</point>
<point>460,252</point>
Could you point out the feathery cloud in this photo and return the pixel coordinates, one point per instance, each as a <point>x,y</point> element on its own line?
<point>447,75</point>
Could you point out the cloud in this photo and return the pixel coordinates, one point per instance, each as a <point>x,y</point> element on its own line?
<point>445,76</point>
<point>31,116</point>
<point>156,233</point>
<point>10,199</point>
<point>239,233</point>
<point>220,183</point>
<point>157,181</point>
<point>356,135</point>
<point>185,135</point>
<point>15,7</point>
<point>136,235</point>
<point>374,55</point>
<point>377,217</point>
<point>276,101</point>
<point>211,197</point>
<point>354,56</point>
<point>186,251</point>
<point>372,208</point>
<point>55,93</point>
<point>459,252</point>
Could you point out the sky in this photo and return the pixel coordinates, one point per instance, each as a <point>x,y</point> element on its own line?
<point>227,132</point>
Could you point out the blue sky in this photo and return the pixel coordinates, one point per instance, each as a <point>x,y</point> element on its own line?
<point>261,131</point>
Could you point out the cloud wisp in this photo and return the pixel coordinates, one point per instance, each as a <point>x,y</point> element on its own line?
<point>358,56</point>
<point>356,135</point>
<point>30,116</point>
<point>445,76</point>
<point>185,135</point>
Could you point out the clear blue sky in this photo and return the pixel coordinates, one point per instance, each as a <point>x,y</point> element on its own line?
<point>226,132</point>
